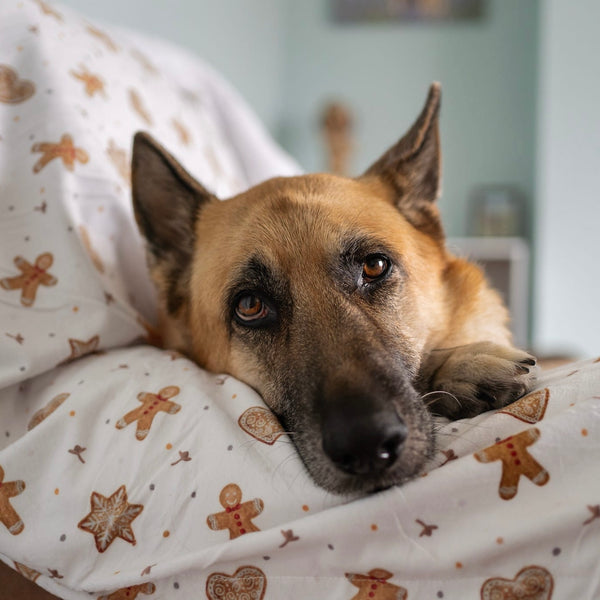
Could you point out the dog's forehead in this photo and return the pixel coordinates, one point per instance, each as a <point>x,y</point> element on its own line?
<point>297,226</point>
<point>286,213</point>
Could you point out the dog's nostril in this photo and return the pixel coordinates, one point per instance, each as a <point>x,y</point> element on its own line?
<point>389,450</point>
<point>354,464</point>
<point>395,439</point>
<point>347,463</point>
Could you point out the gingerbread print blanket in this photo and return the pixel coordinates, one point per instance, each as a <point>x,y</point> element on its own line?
<point>128,472</point>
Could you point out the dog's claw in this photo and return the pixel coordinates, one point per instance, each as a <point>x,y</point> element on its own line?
<point>528,361</point>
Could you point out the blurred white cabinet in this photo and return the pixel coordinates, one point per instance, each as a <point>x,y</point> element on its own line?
<point>505,261</point>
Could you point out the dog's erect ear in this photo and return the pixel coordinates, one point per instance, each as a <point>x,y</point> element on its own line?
<point>166,198</point>
<point>412,167</point>
<point>166,201</point>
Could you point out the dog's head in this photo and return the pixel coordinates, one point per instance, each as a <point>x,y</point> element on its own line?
<point>320,292</point>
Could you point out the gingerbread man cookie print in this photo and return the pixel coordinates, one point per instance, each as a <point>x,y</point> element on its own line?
<point>237,516</point>
<point>8,515</point>
<point>516,461</point>
<point>120,160</point>
<point>92,83</point>
<point>32,276</point>
<point>48,10</point>
<point>138,106</point>
<point>375,586</point>
<point>103,37</point>
<point>152,404</point>
<point>46,411</point>
<point>65,150</point>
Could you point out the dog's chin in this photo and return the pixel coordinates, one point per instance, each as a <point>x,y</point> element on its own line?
<point>337,482</point>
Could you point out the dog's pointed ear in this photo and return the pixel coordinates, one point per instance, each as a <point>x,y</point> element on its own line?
<point>166,202</point>
<point>412,168</point>
<point>166,198</point>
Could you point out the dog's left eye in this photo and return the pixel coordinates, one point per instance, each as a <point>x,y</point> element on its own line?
<point>250,308</point>
<point>375,266</point>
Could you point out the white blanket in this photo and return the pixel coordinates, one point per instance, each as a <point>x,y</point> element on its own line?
<point>133,473</point>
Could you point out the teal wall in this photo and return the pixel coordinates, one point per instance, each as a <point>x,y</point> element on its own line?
<point>567,241</point>
<point>287,58</point>
<point>488,73</point>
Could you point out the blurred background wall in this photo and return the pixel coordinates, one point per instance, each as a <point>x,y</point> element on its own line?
<point>521,96</point>
<point>382,70</point>
<point>567,226</point>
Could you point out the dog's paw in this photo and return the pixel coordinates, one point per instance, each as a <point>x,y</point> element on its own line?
<point>468,380</point>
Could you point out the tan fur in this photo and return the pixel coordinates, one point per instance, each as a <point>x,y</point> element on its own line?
<point>229,230</point>
<point>452,305</point>
<point>431,326</point>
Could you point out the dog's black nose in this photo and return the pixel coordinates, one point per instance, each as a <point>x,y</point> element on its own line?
<point>363,444</point>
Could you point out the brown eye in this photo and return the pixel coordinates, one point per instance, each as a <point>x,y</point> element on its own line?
<point>251,308</point>
<point>375,267</point>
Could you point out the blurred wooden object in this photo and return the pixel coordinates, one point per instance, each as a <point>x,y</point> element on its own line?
<point>551,362</point>
<point>336,127</point>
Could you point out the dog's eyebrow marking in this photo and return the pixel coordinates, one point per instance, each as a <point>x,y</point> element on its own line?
<point>255,274</point>
<point>358,247</point>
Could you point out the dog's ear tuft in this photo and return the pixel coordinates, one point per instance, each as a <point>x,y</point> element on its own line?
<point>166,202</point>
<point>412,167</point>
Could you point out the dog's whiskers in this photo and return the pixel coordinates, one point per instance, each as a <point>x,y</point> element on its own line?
<point>288,442</point>
<point>246,445</point>
<point>467,445</point>
<point>430,402</point>
<point>282,463</point>
<point>437,427</point>
<point>253,441</point>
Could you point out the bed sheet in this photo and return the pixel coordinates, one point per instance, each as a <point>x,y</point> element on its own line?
<point>137,471</point>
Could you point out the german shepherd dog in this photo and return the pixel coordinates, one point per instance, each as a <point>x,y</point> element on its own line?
<point>336,300</point>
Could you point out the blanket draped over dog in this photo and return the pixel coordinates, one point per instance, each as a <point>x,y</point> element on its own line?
<point>131,472</point>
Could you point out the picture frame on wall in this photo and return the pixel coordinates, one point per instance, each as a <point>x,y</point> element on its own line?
<point>356,11</point>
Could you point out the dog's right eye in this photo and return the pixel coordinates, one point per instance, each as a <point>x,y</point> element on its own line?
<point>250,309</point>
<point>375,267</point>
